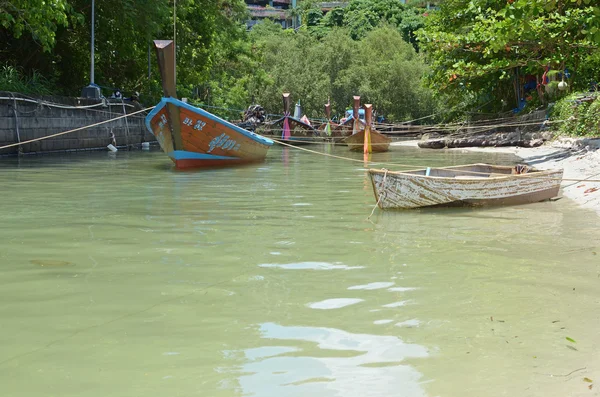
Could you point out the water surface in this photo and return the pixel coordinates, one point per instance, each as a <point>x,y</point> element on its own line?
<point>122,276</point>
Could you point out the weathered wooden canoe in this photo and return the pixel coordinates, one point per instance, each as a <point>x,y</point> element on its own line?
<point>474,185</point>
<point>375,142</point>
<point>193,137</point>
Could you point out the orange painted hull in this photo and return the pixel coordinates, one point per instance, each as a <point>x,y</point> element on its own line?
<point>379,142</point>
<point>193,137</point>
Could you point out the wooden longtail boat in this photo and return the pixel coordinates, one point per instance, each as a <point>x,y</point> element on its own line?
<point>367,139</point>
<point>293,131</point>
<point>193,137</point>
<point>470,185</point>
<point>351,125</point>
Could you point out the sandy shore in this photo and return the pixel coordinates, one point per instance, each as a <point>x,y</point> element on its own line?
<point>580,160</point>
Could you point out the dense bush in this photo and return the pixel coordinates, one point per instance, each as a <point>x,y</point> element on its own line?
<point>578,115</point>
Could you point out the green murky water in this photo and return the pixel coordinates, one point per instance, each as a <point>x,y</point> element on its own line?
<point>123,277</point>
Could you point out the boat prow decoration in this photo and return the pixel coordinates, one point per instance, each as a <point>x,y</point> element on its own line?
<point>291,130</point>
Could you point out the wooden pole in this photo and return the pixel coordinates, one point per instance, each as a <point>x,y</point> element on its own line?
<point>355,122</point>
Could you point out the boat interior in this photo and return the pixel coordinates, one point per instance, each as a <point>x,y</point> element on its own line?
<point>473,171</point>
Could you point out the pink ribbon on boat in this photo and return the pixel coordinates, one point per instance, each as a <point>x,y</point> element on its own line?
<point>286,127</point>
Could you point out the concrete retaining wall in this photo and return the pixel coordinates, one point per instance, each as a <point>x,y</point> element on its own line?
<point>39,117</point>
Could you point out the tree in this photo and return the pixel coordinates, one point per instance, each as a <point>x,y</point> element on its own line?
<point>387,72</point>
<point>381,67</point>
<point>362,16</point>
<point>293,62</point>
<point>124,30</point>
<point>476,47</point>
<point>38,19</point>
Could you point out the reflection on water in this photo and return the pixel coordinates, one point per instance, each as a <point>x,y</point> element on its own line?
<point>378,285</point>
<point>311,265</point>
<point>121,276</point>
<point>335,303</point>
<point>373,367</point>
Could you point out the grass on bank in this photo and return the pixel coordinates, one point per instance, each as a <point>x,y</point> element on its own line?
<point>13,79</point>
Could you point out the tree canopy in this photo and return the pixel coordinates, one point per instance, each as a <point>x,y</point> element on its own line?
<point>53,38</point>
<point>472,53</point>
<point>476,47</point>
<point>36,19</point>
<point>362,16</point>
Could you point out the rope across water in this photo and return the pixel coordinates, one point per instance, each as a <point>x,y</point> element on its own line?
<point>364,161</point>
<point>413,166</point>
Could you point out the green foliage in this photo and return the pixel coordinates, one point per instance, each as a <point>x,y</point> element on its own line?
<point>474,45</point>
<point>362,49</point>
<point>577,117</point>
<point>293,63</point>
<point>124,30</point>
<point>37,19</point>
<point>387,73</point>
<point>235,75</point>
<point>14,80</point>
<point>362,16</point>
<point>382,68</point>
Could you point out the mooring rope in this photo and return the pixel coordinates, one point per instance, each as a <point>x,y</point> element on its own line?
<point>321,153</point>
<point>414,166</point>
<point>76,129</point>
<point>410,166</point>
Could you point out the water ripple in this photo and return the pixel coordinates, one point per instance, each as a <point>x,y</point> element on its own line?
<point>371,286</point>
<point>335,303</point>
<point>311,266</point>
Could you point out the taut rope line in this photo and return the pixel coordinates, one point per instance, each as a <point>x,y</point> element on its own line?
<point>410,166</point>
<point>413,166</point>
<point>76,129</point>
<point>324,154</point>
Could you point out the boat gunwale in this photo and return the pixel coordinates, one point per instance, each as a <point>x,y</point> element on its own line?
<point>532,175</point>
<point>165,100</point>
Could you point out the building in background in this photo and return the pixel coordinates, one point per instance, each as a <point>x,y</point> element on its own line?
<point>284,11</point>
<point>278,10</point>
